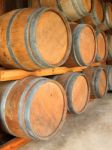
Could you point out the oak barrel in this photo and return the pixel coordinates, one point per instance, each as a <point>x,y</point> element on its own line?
<point>96,16</point>
<point>83,50</point>
<point>109,77</point>
<point>107,23</point>
<point>37,107</point>
<point>101,46</point>
<point>34,38</point>
<point>73,9</point>
<point>74,83</point>
<point>98,81</point>
<point>109,46</point>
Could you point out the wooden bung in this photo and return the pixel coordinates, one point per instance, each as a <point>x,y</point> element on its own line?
<point>96,16</point>
<point>34,38</point>
<point>97,78</point>
<point>101,54</point>
<point>109,77</point>
<point>74,83</point>
<point>37,107</point>
<point>83,50</point>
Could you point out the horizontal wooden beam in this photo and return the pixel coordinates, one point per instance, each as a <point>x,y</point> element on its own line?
<point>15,144</point>
<point>16,74</point>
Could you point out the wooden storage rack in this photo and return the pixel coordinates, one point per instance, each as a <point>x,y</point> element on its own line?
<point>15,144</point>
<point>16,74</point>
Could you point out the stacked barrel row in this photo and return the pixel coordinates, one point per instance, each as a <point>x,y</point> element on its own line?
<point>97,14</point>
<point>36,108</point>
<point>94,12</point>
<point>46,38</point>
<point>31,39</point>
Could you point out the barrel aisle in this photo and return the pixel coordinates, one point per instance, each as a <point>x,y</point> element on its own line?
<point>90,131</point>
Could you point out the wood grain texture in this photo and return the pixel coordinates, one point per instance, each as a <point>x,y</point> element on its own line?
<point>15,74</point>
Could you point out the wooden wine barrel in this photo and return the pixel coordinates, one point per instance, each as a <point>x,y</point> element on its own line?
<point>98,81</point>
<point>32,107</point>
<point>29,45</point>
<point>34,3</point>
<point>83,47</point>
<point>107,23</point>
<point>75,9</point>
<point>74,83</point>
<point>109,46</point>
<point>109,77</point>
<point>101,54</point>
<point>96,16</point>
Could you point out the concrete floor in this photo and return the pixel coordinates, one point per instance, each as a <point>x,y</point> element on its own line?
<point>91,130</point>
